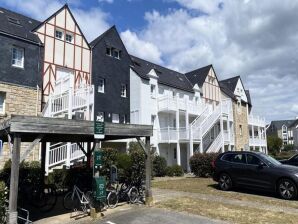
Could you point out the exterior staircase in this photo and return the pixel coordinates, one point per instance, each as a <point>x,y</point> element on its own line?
<point>69,104</point>
<point>202,125</point>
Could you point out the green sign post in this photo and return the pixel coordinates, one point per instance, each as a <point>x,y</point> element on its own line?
<point>99,188</point>
<point>99,130</point>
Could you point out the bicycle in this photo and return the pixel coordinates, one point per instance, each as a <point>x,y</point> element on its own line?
<point>76,199</point>
<point>125,192</point>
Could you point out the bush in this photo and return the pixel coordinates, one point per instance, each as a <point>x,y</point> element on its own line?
<point>138,159</point>
<point>200,164</point>
<point>159,166</point>
<point>288,147</point>
<point>283,155</point>
<point>3,196</point>
<point>174,171</point>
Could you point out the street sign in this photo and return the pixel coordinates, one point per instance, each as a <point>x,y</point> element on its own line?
<point>99,188</point>
<point>99,128</point>
<point>97,158</point>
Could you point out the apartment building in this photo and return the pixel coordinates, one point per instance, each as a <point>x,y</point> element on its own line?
<point>250,130</point>
<point>20,66</point>
<point>190,112</point>
<point>284,129</point>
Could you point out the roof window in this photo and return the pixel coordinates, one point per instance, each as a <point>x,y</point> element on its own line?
<point>14,21</point>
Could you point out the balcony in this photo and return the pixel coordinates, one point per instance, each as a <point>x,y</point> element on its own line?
<point>228,138</point>
<point>257,141</point>
<point>171,134</point>
<point>256,121</point>
<point>168,103</point>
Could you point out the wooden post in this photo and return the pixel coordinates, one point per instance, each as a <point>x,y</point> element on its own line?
<point>89,154</point>
<point>149,197</point>
<point>43,157</point>
<point>14,180</point>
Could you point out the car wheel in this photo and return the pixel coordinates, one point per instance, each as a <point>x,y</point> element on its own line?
<point>225,182</point>
<point>287,189</point>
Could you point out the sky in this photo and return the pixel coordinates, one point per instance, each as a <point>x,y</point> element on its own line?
<point>257,40</point>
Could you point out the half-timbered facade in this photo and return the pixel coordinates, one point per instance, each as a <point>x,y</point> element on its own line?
<point>67,54</point>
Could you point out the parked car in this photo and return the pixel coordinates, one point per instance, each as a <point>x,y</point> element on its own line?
<point>257,171</point>
<point>292,161</point>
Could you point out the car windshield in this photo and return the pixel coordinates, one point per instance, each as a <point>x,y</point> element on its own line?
<point>270,160</point>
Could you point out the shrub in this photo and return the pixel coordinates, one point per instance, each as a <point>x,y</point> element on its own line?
<point>174,171</point>
<point>138,159</point>
<point>159,166</point>
<point>3,197</point>
<point>109,157</point>
<point>283,155</point>
<point>200,164</point>
<point>288,147</point>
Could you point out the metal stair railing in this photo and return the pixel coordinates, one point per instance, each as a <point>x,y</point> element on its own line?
<point>216,144</point>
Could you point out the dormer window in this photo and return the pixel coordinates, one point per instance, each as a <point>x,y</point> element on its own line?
<point>59,34</point>
<point>69,38</point>
<point>113,52</point>
<point>116,54</point>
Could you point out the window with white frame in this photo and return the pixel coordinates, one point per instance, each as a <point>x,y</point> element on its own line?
<point>123,90</point>
<point>116,53</point>
<point>100,116</point>
<point>2,102</point>
<point>69,38</point>
<point>153,90</point>
<point>17,57</point>
<point>101,86</point>
<point>109,51</point>
<point>124,119</point>
<point>115,118</point>
<point>59,34</point>
<point>153,117</point>
<point>240,130</point>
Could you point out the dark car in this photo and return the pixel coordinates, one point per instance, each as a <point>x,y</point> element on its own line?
<point>292,161</point>
<point>257,171</point>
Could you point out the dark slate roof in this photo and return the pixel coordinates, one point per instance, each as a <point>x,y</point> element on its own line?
<point>18,25</point>
<point>227,90</point>
<point>294,124</point>
<point>165,76</point>
<point>280,123</point>
<point>198,76</point>
<point>231,83</point>
<point>248,96</point>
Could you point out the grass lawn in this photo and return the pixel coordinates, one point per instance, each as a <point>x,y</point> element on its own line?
<point>231,213</point>
<point>208,186</point>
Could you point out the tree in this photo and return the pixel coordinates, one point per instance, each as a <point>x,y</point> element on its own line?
<point>274,144</point>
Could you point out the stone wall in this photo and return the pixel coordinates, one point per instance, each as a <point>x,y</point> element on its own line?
<point>19,100</point>
<point>240,118</point>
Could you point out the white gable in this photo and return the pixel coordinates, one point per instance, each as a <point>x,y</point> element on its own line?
<point>239,91</point>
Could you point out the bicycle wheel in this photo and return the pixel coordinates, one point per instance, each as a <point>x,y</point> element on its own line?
<point>92,202</point>
<point>50,197</point>
<point>133,195</point>
<point>112,199</point>
<point>68,201</point>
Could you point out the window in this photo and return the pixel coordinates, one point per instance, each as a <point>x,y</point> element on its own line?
<point>238,158</point>
<point>116,54</point>
<point>68,38</point>
<point>14,21</point>
<point>123,90</point>
<point>115,118</point>
<point>153,90</point>
<point>175,153</point>
<point>17,57</point>
<point>101,86</point>
<point>58,34</point>
<point>109,51</point>
<point>153,119</point>
<point>100,116</point>
<point>240,130</point>
<point>2,102</point>
<point>227,157</point>
<point>252,160</point>
<point>124,119</point>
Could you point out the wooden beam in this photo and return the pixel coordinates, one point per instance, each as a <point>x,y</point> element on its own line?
<point>30,147</point>
<point>14,180</point>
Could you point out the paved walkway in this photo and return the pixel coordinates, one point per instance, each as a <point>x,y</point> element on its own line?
<point>164,194</point>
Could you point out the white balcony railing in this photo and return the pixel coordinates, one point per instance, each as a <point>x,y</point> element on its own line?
<point>69,101</point>
<point>256,121</point>
<point>170,134</point>
<point>168,103</point>
<point>257,142</point>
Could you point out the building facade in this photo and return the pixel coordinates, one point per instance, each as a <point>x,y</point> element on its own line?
<point>20,62</point>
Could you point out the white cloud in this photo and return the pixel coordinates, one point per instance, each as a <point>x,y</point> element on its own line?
<point>255,39</point>
<point>140,48</point>
<point>107,1</point>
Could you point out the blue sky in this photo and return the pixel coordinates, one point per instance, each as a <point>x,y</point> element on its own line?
<point>257,40</point>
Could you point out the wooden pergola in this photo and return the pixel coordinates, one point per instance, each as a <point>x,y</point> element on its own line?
<point>42,129</point>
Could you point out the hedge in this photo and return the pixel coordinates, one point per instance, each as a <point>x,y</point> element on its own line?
<point>174,171</point>
<point>3,197</point>
<point>200,164</point>
<point>159,166</point>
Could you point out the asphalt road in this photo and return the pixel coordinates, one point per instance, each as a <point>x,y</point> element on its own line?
<point>154,215</point>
